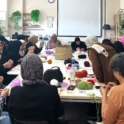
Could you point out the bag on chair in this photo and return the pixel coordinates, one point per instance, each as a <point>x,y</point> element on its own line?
<point>53,73</point>
<point>63,52</point>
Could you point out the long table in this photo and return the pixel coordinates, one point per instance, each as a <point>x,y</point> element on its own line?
<point>65,95</point>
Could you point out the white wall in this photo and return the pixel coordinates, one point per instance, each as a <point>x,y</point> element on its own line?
<point>48,9</point>
<point>122,4</point>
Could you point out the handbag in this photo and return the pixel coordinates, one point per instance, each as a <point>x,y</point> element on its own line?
<point>53,73</point>
<point>63,52</point>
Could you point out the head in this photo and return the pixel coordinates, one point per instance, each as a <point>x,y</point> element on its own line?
<point>1,46</point>
<point>118,46</point>
<point>108,42</point>
<point>77,40</point>
<point>117,66</point>
<point>31,69</point>
<point>33,39</point>
<point>14,46</point>
<point>91,40</point>
<point>54,37</point>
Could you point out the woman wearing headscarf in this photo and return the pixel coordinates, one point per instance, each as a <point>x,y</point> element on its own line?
<point>108,42</point>
<point>17,51</point>
<point>43,105</point>
<point>100,55</point>
<point>54,42</point>
<point>32,40</point>
<point>118,46</point>
<point>78,45</point>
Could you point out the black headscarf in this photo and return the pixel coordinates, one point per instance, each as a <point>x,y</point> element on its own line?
<point>108,42</point>
<point>14,46</point>
<point>77,39</point>
<point>118,46</point>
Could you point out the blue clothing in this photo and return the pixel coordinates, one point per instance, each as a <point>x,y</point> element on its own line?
<point>5,120</point>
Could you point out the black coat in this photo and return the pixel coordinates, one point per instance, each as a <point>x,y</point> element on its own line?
<point>3,39</point>
<point>35,102</point>
<point>75,46</point>
<point>36,51</point>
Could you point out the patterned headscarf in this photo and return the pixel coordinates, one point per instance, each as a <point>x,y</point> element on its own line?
<point>91,40</point>
<point>33,39</point>
<point>32,69</point>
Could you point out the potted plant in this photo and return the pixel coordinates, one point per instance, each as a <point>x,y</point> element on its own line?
<point>2,28</point>
<point>16,17</point>
<point>35,15</point>
<point>121,27</point>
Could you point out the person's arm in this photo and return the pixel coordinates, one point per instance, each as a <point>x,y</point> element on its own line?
<point>97,68</point>
<point>109,108</point>
<point>2,38</point>
<point>73,46</point>
<point>59,110</point>
<point>37,50</point>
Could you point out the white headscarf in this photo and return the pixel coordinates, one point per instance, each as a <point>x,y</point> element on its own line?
<point>91,42</point>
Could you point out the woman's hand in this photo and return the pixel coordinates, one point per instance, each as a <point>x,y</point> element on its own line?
<point>1,79</point>
<point>8,64</point>
<point>5,92</point>
<point>78,49</point>
<point>104,90</point>
<point>82,49</point>
<point>111,84</point>
<point>41,44</point>
<point>31,49</point>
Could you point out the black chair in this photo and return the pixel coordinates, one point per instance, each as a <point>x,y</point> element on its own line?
<point>14,121</point>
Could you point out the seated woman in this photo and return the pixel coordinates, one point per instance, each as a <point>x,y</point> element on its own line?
<point>78,45</point>
<point>53,42</point>
<point>32,40</point>
<point>118,46</point>
<point>45,103</point>
<point>108,42</point>
<point>100,55</point>
<point>113,97</point>
<point>17,51</point>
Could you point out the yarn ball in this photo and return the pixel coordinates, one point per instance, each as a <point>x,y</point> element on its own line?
<point>83,56</point>
<point>91,81</point>
<point>16,82</point>
<point>54,82</point>
<point>84,73</point>
<point>85,86</point>
<point>48,52</point>
<point>49,61</point>
<point>81,74</point>
<point>86,64</point>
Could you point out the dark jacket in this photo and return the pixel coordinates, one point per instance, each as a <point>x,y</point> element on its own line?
<point>36,51</point>
<point>3,39</point>
<point>100,64</point>
<point>75,46</point>
<point>35,102</point>
<point>13,53</point>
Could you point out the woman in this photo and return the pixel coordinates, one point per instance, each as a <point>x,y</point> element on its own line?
<point>32,40</point>
<point>118,46</point>
<point>112,101</point>
<point>35,100</point>
<point>108,42</point>
<point>53,42</point>
<point>17,51</point>
<point>100,55</point>
<point>78,45</point>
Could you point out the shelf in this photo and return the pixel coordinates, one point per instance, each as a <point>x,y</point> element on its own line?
<point>33,27</point>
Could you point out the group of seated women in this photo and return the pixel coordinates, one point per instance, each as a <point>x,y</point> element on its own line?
<point>33,103</point>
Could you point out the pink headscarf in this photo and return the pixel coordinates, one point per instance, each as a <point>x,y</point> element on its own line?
<point>122,40</point>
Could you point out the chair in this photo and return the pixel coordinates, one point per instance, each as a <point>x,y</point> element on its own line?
<point>14,121</point>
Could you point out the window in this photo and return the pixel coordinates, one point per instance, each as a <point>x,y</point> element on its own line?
<point>3,9</point>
